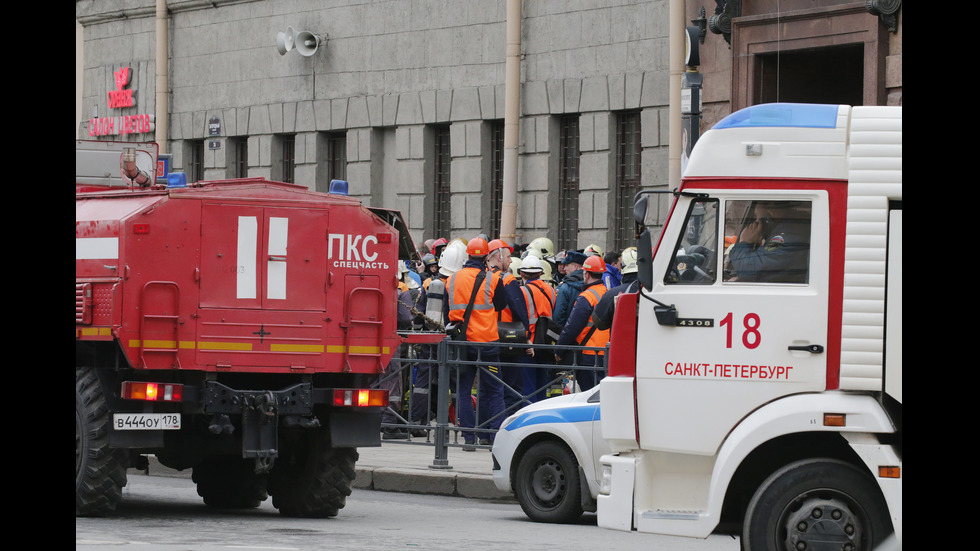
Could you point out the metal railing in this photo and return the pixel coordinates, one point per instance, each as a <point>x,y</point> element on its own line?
<point>430,373</point>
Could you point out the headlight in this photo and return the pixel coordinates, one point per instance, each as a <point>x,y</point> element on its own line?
<point>605,480</point>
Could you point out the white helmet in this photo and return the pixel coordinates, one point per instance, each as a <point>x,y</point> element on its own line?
<point>532,264</point>
<point>629,260</point>
<point>546,275</point>
<point>541,247</point>
<point>452,259</point>
<point>593,250</point>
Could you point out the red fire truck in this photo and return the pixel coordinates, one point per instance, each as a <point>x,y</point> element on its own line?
<point>230,327</point>
<point>756,378</point>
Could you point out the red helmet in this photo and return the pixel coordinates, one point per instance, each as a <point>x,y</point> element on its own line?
<point>477,247</point>
<point>594,264</point>
<point>437,246</point>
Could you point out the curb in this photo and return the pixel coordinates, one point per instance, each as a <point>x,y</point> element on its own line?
<point>414,481</point>
<point>391,479</point>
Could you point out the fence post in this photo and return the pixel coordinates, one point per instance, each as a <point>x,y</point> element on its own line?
<point>441,459</point>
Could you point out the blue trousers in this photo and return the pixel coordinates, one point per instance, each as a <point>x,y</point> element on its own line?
<point>490,396</point>
<point>587,378</point>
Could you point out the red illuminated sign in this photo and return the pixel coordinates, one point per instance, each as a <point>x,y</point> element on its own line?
<point>125,124</point>
<point>120,98</point>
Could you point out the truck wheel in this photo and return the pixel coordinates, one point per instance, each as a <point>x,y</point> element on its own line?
<point>310,479</point>
<point>230,484</point>
<point>100,472</point>
<point>547,484</point>
<point>816,504</point>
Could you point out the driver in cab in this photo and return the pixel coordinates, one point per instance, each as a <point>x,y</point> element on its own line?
<point>774,247</point>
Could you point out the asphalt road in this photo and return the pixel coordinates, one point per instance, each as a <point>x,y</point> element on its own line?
<point>166,514</point>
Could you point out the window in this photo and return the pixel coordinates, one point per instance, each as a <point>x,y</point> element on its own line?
<point>695,260</point>
<point>628,169</point>
<point>764,242</point>
<point>771,241</point>
<point>441,193</point>
<point>194,160</point>
<point>333,155</point>
<point>496,176</point>
<point>237,157</point>
<point>284,157</point>
<point>568,183</point>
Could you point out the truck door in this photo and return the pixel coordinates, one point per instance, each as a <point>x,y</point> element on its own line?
<point>263,280</point>
<point>747,272</point>
<point>263,258</point>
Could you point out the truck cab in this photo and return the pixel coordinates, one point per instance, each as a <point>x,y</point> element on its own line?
<point>757,373</point>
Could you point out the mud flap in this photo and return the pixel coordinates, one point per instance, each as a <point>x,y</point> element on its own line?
<point>355,429</point>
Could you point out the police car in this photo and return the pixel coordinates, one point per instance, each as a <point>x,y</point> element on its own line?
<point>547,453</point>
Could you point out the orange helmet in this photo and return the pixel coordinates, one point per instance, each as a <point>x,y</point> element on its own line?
<point>594,264</point>
<point>499,244</point>
<point>477,247</point>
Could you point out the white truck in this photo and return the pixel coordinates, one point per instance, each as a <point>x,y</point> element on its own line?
<point>756,378</point>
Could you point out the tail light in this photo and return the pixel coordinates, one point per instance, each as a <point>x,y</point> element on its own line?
<point>152,392</point>
<point>360,397</point>
<point>622,337</point>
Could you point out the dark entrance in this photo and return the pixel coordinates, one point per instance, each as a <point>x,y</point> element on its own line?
<point>832,74</point>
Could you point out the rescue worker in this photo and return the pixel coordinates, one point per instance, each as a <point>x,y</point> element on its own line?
<point>540,300</point>
<point>580,329</point>
<point>411,301</point>
<point>489,297</point>
<point>430,268</point>
<point>437,247</point>
<point>603,314</point>
<point>544,248</point>
<point>629,265</point>
<point>451,261</point>
<point>612,277</point>
<point>593,250</point>
<point>498,262</point>
<point>571,286</point>
<point>541,247</point>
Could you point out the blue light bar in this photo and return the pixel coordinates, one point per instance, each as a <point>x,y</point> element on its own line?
<point>176,180</point>
<point>801,115</point>
<point>338,187</point>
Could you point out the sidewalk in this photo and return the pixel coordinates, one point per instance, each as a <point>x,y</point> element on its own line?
<point>404,467</point>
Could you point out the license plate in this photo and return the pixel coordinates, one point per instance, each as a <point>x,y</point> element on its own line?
<point>146,421</point>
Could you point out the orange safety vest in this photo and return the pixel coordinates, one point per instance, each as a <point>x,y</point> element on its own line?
<point>539,303</point>
<point>505,315</point>
<point>483,319</point>
<point>598,338</point>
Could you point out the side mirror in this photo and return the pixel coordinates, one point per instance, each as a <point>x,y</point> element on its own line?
<point>644,259</point>
<point>640,210</point>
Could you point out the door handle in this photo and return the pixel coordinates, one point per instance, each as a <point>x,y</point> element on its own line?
<point>812,348</point>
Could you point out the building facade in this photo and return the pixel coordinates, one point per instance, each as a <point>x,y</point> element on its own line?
<point>807,51</point>
<point>405,98</point>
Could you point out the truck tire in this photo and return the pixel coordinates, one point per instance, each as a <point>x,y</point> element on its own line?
<point>100,472</point>
<point>816,504</point>
<point>547,483</point>
<point>310,479</point>
<point>230,484</point>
